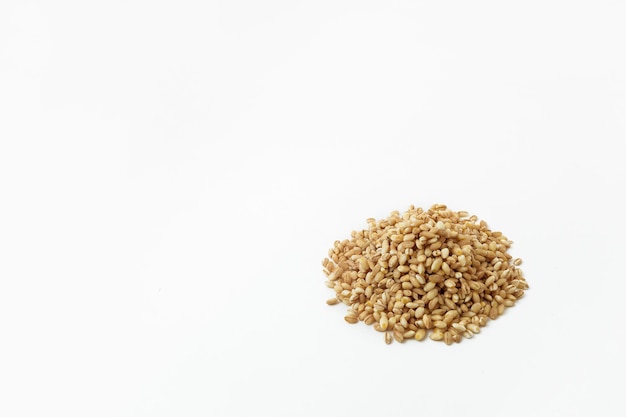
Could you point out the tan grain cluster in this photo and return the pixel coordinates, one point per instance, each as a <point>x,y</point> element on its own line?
<point>438,272</point>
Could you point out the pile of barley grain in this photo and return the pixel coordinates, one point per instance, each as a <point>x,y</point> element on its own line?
<point>436,271</point>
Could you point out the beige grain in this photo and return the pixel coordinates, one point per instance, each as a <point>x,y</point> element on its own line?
<point>460,327</point>
<point>399,336</point>
<point>409,334</point>
<point>440,324</point>
<point>427,321</point>
<point>436,335</point>
<point>420,334</point>
<point>473,328</point>
<point>384,322</point>
<point>431,271</point>
<point>351,319</point>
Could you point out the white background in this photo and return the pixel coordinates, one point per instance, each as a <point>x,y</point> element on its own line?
<point>172,174</point>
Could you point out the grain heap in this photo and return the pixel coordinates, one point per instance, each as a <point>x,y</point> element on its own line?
<point>437,271</point>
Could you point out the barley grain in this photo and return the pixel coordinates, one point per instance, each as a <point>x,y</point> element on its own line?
<point>421,270</point>
<point>427,321</point>
<point>432,294</point>
<point>458,326</point>
<point>384,322</point>
<point>351,319</point>
<point>440,324</point>
<point>473,328</point>
<point>436,265</point>
<point>436,335</point>
<point>409,334</point>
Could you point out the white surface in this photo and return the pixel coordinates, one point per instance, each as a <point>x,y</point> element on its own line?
<point>173,173</point>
